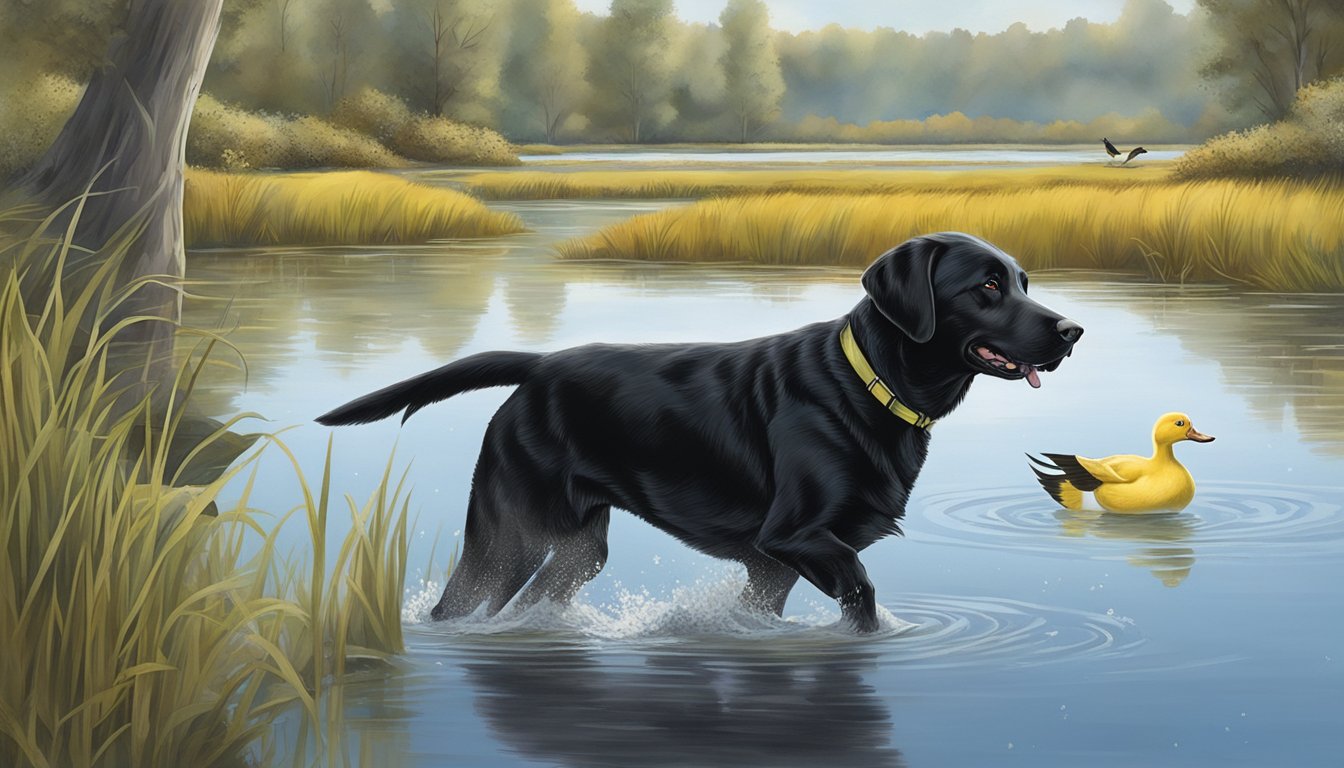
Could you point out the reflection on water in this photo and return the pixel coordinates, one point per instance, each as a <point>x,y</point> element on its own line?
<point>1283,353</point>
<point>681,709</point>
<point>1169,564</point>
<point>792,693</point>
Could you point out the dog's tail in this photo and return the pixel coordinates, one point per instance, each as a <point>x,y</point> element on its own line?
<point>1059,486</point>
<point>487,369</point>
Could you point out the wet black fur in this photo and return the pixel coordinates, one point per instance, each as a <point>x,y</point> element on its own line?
<point>770,452</point>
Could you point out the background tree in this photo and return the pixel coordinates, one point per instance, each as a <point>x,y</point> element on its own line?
<point>630,70</point>
<point>1269,49</point>
<point>282,9</point>
<point>750,65</point>
<point>446,55</point>
<point>698,88</point>
<point>345,40</point>
<point>64,37</point>
<point>123,146</point>
<point>545,73</point>
<point>1147,59</point>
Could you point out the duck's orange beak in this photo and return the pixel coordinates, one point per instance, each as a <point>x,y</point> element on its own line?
<point>1198,437</point>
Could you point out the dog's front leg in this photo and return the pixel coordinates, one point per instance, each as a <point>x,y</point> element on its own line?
<point>812,495</point>
<point>831,565</point>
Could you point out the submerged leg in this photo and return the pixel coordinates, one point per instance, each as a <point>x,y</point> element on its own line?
<point>491,571</point>
<point>768,583</point>
<point>575,559</point>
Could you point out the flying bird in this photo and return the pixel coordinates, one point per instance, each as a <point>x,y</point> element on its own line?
<point>1113,152</point>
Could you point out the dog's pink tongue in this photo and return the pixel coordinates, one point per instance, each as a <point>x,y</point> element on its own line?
<point>1033,378</point>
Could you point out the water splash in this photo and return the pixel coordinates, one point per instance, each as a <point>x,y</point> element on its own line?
<point>707,608</point>
<point>706,618</point>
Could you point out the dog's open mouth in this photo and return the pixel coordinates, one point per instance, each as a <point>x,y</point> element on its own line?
<point>1005,367</point>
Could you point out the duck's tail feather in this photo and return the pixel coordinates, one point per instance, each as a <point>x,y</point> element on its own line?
<point>1060,486</point>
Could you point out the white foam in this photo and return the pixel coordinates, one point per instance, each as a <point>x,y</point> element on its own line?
<point>707,608</point>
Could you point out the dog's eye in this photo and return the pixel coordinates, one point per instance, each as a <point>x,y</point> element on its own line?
<point>1180,422</point>
<point>992,284</point>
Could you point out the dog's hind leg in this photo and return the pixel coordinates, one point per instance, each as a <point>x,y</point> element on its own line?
<point>575,559</point>
<point>768,583</point>
<point>490,572</point>
<point>499,555</point>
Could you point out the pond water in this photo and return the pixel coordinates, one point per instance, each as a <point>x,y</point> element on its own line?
<point>1014,633</point>
<point>929,157</point>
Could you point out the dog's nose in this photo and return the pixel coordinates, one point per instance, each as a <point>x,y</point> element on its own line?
<point>1069,330</point>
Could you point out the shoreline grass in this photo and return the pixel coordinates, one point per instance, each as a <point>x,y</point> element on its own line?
<point>711,182</point>
<point>141,624</point>
<point>1273,235</point>
<point>335,208</point>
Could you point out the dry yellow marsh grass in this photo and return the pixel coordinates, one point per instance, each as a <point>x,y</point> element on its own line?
<point>337,208</point>
<point>544,185</point>
<point>141,625</point>
<point>1276,235</point>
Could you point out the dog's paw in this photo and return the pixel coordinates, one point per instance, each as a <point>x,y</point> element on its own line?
<point>863,624</point>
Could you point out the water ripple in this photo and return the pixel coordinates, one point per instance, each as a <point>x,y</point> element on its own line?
<point>1225,519</point>
<point>954,631</point>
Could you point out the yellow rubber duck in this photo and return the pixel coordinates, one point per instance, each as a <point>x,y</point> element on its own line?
<point>1126,484</point>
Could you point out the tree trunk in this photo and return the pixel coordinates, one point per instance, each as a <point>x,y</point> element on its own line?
<point>126,145</point>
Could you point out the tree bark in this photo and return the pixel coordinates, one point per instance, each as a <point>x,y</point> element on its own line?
<point>126,144</point>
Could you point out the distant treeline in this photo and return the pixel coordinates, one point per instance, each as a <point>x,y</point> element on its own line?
<point>540,70</point>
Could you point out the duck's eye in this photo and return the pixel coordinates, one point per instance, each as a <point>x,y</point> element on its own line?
<point>991,284</point>
<point>1180,422</point>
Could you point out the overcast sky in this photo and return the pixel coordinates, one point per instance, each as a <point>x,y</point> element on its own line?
<point>918,16</point>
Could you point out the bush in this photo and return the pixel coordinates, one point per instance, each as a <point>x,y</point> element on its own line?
<point>223,136</point>
<point>421,137</point>
<point>1308,142</point>
<point>440,140</point>
<point>31,115</point>
<point>372,113</point>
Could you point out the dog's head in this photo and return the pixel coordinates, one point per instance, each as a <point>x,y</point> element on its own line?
<point>967,300</point>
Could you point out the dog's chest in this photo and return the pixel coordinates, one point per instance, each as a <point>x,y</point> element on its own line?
<point>882,480</point>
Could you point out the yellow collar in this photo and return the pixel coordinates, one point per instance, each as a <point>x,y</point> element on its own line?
<point>876,386</point>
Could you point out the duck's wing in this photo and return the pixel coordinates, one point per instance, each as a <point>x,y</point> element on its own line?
<point>1113,469</point>
<point>1083,473</point>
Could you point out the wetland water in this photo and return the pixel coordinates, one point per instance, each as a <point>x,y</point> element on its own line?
<point>926,158</point>
<point>1016,634</point>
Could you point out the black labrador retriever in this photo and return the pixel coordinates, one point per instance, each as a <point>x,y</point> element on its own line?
<point>789,453</point>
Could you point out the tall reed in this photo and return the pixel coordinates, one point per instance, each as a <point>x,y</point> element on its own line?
<point>140,624</point>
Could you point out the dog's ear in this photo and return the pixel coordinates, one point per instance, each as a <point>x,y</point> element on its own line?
<point>900,283</point>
